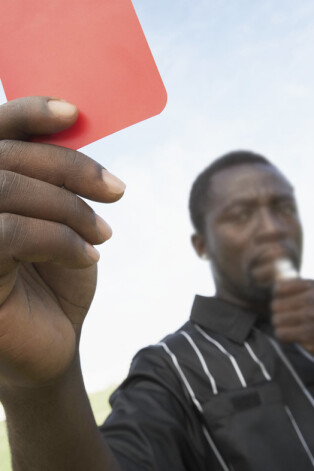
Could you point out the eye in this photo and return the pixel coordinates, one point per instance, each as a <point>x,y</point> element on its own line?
<point>241,216</point>
<point>287,208</point>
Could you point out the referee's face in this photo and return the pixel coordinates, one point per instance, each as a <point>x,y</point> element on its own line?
<point>252,220</point>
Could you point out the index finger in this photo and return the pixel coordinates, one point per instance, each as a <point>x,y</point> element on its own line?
<point>26,117</point>
<point>61,167</point>
<point>285,288</point>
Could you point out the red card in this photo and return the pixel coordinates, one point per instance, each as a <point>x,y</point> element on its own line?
<point>92,53</point>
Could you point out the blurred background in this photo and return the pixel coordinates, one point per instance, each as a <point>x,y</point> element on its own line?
<point>239,75</point>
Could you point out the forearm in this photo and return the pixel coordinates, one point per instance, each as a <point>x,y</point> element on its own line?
<point>53,429</point>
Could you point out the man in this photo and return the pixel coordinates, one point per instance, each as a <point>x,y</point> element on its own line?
<point>219,394</point>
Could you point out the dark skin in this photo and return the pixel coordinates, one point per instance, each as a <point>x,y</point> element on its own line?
<point>252,221</point>
<point>47,259</point>
<point>47,281</point>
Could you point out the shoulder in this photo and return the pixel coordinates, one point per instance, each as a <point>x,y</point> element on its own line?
<point>161,354</point>
<point>155,366</point>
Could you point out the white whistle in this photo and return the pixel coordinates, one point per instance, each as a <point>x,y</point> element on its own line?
<point>285,270</point>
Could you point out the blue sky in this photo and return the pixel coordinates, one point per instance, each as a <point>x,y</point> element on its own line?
<point>238,75</point>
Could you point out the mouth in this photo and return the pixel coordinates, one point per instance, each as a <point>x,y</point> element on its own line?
<point>263,266</point>
<point>271,255</point>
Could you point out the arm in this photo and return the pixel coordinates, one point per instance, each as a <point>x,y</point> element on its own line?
<point>53,428</point>
<point>47,282</point>
<point>153,425</point>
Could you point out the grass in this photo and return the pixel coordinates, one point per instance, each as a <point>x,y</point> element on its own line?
<point>100,406</point>
<point>5,462</point>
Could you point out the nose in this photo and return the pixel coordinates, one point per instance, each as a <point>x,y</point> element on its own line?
<point>270,227</point>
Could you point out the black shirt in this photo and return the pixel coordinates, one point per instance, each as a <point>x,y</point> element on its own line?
<point>218,394</point>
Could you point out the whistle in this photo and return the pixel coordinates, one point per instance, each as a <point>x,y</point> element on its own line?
<point>285,270</point>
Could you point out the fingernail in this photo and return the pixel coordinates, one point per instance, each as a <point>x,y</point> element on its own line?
<point>93,253</point>
<point>62,109</point>
<point>104,229</point>
<point>115,185</point>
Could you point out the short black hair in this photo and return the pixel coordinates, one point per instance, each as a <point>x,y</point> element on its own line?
<point>198,202</point>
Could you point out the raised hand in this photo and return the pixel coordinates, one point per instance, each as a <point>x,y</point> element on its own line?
<point>47,233</point>
<point>293,312</point>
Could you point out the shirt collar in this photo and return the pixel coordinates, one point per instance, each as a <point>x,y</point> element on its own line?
<point>222,317</point>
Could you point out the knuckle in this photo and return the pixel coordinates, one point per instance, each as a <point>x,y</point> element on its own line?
<point>76,205</point>
<point>73,162</point>
<point>68,236</point>
<point>6,148</point>
<point>74,158</point>
<point>16,119</point>
<point>81,215</point>
<point>8,182</point>
<point>77,208</point>
<point>8,229</point>
<point>73,245</point>
<point>12,154</point>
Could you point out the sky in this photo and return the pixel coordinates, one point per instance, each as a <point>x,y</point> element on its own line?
<point>238,75</point>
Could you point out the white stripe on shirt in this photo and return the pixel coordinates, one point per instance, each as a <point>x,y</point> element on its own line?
<point>182,375</point>
<point>258,361</point>
<point>300,436</point>
<point>291,369</point>
<point>202,360</point>
<point>305,353</point>
<point>224,351</point>
<point>196,403</point>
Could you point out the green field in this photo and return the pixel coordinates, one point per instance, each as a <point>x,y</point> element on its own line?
<point>101,409</point>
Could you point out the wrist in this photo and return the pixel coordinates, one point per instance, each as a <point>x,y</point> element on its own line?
<point>12,395</point>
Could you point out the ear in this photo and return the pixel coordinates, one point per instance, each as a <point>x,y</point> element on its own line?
<point>199,245</point>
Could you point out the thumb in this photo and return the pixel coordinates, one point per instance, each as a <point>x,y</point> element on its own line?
<point>31,116</point>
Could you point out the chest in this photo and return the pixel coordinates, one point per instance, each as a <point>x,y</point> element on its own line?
<point>256,412</point>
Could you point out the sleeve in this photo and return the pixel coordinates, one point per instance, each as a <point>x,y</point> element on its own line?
<point>153,426</point>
